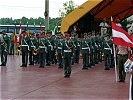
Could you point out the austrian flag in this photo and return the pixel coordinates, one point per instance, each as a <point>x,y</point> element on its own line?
<point>120,36</point>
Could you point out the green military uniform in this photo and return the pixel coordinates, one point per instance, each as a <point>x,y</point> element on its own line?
<point>67,52</point>
<point>92,51</point>
<point>32,50</point>
<point>42,52</point>
<point>73,39</point>
<point>54,44</point>
<point>107,52</point>
<point>25,49</point>
<point>36,57</point>
<point>59,51</point>
<point>49,50</point>
<point>4,48</point>
<point>85,49</point>
<point>101,47</point>
<point>11,47</point>
<point>77,50</point>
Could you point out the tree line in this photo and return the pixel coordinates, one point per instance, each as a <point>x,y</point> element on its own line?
<point>31,21</point>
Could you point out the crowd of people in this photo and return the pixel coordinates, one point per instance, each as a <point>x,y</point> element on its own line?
<point>64,50</point>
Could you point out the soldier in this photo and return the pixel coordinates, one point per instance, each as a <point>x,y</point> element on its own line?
<point>32,49</point>
<point>4,48</point>
<point>42,51</point>
<point>85,49</point>
<point>67,55</point>
<point>49,49</point>
<point>54,59</point>
<point>11,47</point>
<point>107,52</point>
<point>95,47</point>
<point>25,49</point>
<point>73,39</point>
<point>77,50</point>
<point>59,50</point>
<point>36,57</point>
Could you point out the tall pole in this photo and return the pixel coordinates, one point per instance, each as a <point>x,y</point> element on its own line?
<point>46,14</point>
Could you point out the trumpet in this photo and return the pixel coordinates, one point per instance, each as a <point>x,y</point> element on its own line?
<point>19,47</point>
<point>35,51</point>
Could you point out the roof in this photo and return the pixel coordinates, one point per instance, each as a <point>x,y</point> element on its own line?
<point>116,8</point>
<point>79,12</point>
<point>99,9</point>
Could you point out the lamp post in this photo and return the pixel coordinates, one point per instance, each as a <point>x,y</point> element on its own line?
<point>46,14</point>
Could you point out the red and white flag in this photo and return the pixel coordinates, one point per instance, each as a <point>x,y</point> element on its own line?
<point>120,36</point>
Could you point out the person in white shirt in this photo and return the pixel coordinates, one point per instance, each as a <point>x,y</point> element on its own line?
<point>104,27</point>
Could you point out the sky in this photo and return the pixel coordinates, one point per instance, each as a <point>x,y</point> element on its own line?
<point>31,8</point>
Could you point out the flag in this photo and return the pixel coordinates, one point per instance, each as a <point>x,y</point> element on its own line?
<point>15,35</point>
<point>40,29</point>
<point>120,36</point>
<point>20,31</point>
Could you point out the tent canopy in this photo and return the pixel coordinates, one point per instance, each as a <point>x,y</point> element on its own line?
<point>99,9</point>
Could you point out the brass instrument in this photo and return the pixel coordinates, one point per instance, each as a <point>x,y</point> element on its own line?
<point>35,51</point>
<point>19,48</point>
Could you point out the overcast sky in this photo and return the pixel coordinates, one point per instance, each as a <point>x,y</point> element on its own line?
<point>31,8</point>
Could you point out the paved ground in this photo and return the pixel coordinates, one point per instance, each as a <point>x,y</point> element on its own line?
<point>49,83</point>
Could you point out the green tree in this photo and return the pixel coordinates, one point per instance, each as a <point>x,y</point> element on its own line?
<point>68,7</point>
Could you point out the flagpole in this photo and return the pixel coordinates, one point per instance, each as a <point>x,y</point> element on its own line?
<point>116,74</point>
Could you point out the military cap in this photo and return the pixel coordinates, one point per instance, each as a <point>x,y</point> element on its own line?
<point>67,35</point>
<point>85,33</point>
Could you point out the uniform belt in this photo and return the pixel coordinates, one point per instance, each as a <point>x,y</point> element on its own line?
<point>107,48</point>
<point>122,54</point>
<point>67,51</point>
<point>86,48</point>
<point>24,45</point>
<point>41,47</point>
<point>33,46</point>
<point>59,47</point>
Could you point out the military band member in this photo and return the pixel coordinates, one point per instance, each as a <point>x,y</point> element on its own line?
<point>85,49</point>
<point>42,51</point>
<point>4,42</point>
<point>67,55</point>
<point>25,49</point>
<point>59,50</point>
<point>107,52</point>
<point>77,50</point>
<point>49,49</point>
<point>73,39</point>
<point>32,49</point>
<point>54,43</point>
<point>11,46</point>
